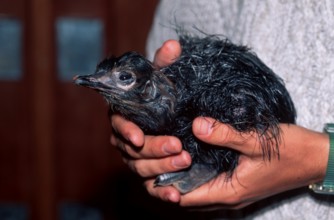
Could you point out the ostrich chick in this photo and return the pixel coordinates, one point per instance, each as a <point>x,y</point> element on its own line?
<point>213,77</point>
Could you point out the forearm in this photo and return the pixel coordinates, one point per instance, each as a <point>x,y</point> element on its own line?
<point>308,150</point>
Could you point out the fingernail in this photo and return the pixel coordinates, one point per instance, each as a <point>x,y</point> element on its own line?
<point>133,139</point>
<point>203,127</point>
<point>172,197</point>
<point>180,161</point>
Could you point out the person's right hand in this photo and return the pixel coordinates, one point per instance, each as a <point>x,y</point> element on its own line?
<point>302,160</point>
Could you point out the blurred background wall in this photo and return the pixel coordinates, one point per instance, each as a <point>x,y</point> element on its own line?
<point>55,158</point>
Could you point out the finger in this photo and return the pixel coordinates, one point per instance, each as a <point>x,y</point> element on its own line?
<point>154,167</point>
<point>128,130</point>
<point>167,53</point>
<point>166,193</point>
<point>154,147</point>
<point>213,132</point>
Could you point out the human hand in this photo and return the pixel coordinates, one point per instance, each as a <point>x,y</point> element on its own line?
<point>302,160</point>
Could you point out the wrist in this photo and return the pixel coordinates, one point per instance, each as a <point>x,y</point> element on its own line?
<point>323,152</point>
<point>304,155</point>
<point>325,184</point>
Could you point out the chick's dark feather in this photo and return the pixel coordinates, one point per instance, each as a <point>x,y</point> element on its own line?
<point>213,77</point>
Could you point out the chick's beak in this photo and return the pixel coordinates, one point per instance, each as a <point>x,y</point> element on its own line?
<point>93,81</point>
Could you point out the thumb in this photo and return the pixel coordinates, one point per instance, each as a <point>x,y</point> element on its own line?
<point>167,53</point>
<point>216,133</point>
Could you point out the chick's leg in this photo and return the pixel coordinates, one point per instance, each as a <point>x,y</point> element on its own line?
<point>188,180</point>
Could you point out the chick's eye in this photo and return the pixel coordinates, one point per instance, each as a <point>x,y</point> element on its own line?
<point>125,80</point>
<point>125,76</point>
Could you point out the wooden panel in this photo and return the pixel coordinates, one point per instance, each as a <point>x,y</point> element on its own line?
<point>81,8</point>
<point>12,7</point>
<point>130,21</point>
<point>84,155</point>
<point>41,79</point>
<point>15,160</point>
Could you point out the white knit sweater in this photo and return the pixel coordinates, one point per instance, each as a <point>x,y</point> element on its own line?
<point>296,40</point>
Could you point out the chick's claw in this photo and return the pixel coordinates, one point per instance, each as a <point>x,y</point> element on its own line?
<point>187,180</point>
